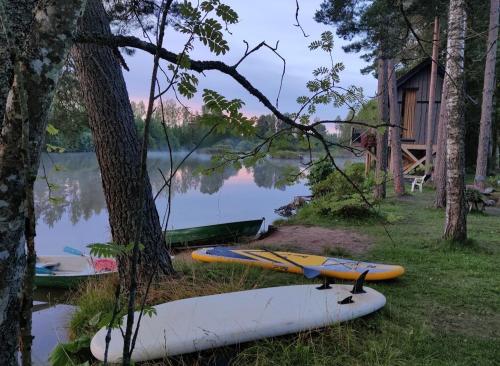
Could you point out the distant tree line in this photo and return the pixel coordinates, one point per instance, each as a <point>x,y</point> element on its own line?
<point>70,132</point>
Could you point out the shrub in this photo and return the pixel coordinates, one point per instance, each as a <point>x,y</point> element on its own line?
<point>350,207</point>
<point>338,185</point>
<point>475,199</point>
<point>494,181</point>
<point>334,194</point>
<point>319,172</point>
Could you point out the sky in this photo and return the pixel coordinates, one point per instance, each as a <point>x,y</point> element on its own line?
<point>270,21</point>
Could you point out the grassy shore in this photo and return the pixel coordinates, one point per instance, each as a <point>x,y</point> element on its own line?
<point>444,311</point>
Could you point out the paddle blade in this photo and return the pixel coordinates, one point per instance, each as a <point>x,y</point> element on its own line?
<point>73,251</point>
<point>311,273</point>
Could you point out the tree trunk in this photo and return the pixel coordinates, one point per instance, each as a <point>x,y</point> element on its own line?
<point>26,338</point>
<point>396,152</point>
<point>26,108</point>
<point>494,144</point>
<point>118,148</point>
<point>439,175</point>
<point>18,18</point>
<point>483,148</point>
<point>383,110</point>
<point>432,98</point>
<point>456,212</point>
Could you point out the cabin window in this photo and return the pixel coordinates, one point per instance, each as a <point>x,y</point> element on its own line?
<point>409,106</point>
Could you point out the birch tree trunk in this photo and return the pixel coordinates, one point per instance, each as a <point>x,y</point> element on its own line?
<point>383,110</point>
<point>118,148</point>
<point>485,129</point>
<point>394,116</point>
<point>432,98</point>
<point>456,212</point>
<point>16,17</point>
<point>32,88</point>
<point>439,175</point>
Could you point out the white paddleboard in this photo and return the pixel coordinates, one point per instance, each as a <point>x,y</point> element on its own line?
<point>200,323</point>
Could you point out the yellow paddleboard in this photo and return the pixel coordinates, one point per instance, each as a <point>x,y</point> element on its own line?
<point>296,262</point>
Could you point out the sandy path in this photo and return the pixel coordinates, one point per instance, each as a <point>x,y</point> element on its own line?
<point>314,240</point>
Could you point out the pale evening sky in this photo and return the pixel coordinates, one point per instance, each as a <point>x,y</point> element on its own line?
<point>270,21</point>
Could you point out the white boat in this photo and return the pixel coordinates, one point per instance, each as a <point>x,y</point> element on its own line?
<point>69,270</point>
<point>201,323</point>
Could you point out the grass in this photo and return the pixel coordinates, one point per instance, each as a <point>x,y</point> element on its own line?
<point>444,311</point>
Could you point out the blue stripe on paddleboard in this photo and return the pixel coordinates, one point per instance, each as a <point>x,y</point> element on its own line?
<point>228,253</point>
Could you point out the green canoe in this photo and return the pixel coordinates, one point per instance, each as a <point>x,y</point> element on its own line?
<point>213,234</point>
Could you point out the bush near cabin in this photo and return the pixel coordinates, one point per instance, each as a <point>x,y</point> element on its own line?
<point>334,195</point>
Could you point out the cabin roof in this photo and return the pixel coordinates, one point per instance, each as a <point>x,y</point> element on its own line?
<point>426,63</point>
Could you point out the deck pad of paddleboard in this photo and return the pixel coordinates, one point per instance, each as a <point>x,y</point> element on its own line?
<point>295,262</point>
<point>200,323</point>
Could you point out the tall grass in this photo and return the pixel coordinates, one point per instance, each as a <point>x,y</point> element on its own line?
<point>445,310</point>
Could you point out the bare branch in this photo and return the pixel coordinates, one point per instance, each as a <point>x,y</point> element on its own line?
<point>297,8</point>
<point>275,51</point>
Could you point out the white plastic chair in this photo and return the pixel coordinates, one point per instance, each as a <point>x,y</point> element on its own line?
<point>419,182</point>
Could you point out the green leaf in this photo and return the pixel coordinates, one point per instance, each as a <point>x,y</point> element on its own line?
<point>187,85</point>
<point>71,353</point>
<point>320,71</point>
<point>210,35</point>
<point>227,14</point>
<point>54,148</point>
<point>95,319</point>
<point>325,43</point>
<point>53,186</point>
<point>302,99</point>
<point>149,311</point>
<point>51,130</point>
<point>106,250</point>
<point>207,6</point>
<point>57,200</point>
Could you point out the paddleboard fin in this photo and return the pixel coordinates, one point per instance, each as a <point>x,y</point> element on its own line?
<point>326,284</point>
<point>347,300</point>
<point>358,285</point>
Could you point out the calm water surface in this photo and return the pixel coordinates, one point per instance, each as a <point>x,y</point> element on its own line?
<point>76,215</point>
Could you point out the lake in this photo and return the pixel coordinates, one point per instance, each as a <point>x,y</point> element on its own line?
<point>71,209</point>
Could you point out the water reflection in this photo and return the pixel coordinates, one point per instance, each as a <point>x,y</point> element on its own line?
<point>70,204</point>
<point>71,183</point>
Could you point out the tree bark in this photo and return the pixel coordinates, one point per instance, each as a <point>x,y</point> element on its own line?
<point>439,175</point>
<point>25,323</point>
<point>485,129</point>
<point>394,116</point>
<point>456,212</point>
<point>17,17</point>
<point>118,149</point>
<point>494,144</point>
<point>383,110</point>
<point>30,95</point>
<point>432,98</point>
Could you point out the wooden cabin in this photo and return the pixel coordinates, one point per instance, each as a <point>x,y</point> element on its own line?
<point>413,102</point>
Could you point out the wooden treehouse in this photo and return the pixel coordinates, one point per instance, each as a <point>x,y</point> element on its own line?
<point>413,102</point>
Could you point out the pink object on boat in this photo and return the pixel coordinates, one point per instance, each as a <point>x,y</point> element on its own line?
<point>104,264</point>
